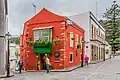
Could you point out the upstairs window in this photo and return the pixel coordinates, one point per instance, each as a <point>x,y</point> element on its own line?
<point>76,40</point>
<point>43,34</point>
<point>71,41</point>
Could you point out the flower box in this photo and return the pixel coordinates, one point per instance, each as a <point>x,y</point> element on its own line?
<point>43,48</point>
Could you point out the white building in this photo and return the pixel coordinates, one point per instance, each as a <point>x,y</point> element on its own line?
<point>94,35</point>
<point>14,55</point>
<point>3,30</point>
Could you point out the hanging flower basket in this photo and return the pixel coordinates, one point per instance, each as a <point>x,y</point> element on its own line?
<point>27,42</point>
<point>78,46</point>
<point>56,41</point>
<point>73,38</point>
<point>30,43</point>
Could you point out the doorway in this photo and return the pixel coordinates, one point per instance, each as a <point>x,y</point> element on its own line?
<point>42,62</point>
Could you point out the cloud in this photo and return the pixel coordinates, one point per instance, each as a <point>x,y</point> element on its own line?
<point>21,10</point>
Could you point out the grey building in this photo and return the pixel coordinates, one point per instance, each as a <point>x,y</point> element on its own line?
<point>3,30</point>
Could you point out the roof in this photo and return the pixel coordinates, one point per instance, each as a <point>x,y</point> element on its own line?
<point>45,16</point>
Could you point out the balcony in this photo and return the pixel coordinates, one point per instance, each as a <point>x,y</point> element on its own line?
<point>42,48</point>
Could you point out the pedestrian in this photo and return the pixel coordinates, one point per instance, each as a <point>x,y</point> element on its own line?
<point>86,60</point>
<point>20,65</point>
<point>47,63</point>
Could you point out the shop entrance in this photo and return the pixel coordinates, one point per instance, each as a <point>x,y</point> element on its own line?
<point>42,62</point>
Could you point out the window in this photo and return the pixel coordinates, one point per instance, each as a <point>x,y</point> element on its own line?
<point>92,32</point>
<point>76,40</point>
<point>71,41</point>
<point>81,38</point>
<point>43,34</point>
<point>71,57</point>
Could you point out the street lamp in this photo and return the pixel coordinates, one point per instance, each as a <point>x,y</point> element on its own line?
<point>8,35</point>
<point>104,51</point>
<point>82,56</point>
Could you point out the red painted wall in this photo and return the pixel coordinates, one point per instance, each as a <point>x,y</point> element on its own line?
<point>76,59</point>
<point>46,19</point>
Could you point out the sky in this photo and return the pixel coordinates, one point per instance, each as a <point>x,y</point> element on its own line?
<point>20,11</point>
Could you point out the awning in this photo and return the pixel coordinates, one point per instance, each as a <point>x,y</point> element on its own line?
<point>49,27</point>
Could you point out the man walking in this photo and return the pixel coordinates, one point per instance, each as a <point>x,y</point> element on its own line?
<point>47,63</point>
<point>20,65</point>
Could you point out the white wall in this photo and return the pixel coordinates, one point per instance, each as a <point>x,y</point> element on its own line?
<point>84,21</point>
<point>2,33</point>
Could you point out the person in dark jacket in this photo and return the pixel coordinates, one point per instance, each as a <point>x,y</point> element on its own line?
<point>20,65</point>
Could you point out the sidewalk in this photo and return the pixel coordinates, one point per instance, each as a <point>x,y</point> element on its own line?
<point>67,69</point>
<point>59,70</point>
<point>5,75</point>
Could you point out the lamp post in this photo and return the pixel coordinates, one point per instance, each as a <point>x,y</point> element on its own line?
<point>34,7</point>
<point>104,53</point>
<point>8,55</point>
<point>83,51</point>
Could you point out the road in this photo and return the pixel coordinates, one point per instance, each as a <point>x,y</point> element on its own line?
<point>101,71</point>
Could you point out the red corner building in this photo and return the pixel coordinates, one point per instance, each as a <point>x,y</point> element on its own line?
<point>57,36</point>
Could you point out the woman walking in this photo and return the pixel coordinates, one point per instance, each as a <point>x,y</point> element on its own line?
<point>86,60</point>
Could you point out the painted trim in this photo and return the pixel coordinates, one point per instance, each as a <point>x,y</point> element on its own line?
<point>42,28</point>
